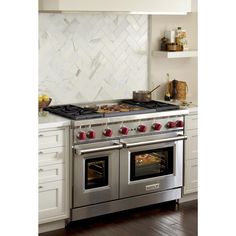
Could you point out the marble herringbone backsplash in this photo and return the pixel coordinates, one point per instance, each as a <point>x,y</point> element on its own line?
<point>92,57</point>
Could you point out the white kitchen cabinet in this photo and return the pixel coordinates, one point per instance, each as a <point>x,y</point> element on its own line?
<point>53,174</point>
<point>51,156</point>
<point>133,6</point>
<point>191,154</point>
<point>52,201</point>
<point>191,176</point>
<point>54,138</point>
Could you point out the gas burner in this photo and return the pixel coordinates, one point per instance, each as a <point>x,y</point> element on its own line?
<point>157,105</point>
<point>73,112</point>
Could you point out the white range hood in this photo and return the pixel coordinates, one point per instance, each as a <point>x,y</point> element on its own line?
<point>161,7</point>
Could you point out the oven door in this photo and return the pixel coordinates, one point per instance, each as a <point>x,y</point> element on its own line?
<point>151,163</point>
<point>95,173</point>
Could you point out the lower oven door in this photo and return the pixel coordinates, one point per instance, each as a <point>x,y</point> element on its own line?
<point>95,173</point>
<point>151,163</point>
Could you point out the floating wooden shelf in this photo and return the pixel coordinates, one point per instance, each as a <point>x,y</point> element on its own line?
<point>179,54</point>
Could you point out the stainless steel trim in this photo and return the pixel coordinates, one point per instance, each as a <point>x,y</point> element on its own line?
<point>97,149</point>
<point>136,144</point>
<point>129,117</point>
<point>125,204</point>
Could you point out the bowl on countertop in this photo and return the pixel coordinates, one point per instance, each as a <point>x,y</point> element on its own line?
<point>42,105</point>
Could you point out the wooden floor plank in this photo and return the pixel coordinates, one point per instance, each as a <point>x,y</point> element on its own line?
<point>165,219</point>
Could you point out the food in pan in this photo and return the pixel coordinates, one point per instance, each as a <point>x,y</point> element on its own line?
<point>147,159</point>
<point>117,108</point>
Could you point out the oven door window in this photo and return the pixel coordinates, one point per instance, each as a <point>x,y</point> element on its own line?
<point>96,172</point>
<point>151,163</point>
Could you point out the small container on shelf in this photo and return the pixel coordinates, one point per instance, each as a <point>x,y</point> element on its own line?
<point>164,42</point>
<point>174,47</point>
<point>181,38</point>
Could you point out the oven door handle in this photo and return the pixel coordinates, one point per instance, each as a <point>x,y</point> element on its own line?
<point>172,139</point>
<point>97,149</point>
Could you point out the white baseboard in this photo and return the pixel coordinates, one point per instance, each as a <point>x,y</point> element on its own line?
<point>188,197</point>
<point>60,224</point>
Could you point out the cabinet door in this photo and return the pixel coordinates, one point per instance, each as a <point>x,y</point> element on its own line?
<point>51,173</point>
<point>51,156</point>
<point>191,145</point>
<point>51,201</point>
<point>191,122</point>
<point>191,176</point>
<point>49,139</point>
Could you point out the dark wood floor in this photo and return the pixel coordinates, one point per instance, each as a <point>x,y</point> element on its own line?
<point>166,219</point>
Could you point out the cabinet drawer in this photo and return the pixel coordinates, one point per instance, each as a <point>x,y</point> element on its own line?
<point>191,145</point>
<point>51,173</point>
<point>51,156</point>
<point>48,139</point>
<point>191,176</point>
<point>51,200</point>
<point>191,122</point>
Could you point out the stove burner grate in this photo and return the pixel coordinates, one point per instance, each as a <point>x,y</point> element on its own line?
<point>73,112</point>
<point>159,106</point>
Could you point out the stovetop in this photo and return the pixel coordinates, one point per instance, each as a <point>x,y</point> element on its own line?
<point>157,105</point>
<point>73,112</point>
<point>121,108</point>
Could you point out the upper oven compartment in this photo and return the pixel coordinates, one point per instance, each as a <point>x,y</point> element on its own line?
<point>162,7</point>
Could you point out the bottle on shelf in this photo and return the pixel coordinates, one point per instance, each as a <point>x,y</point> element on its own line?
<point>181,39</point>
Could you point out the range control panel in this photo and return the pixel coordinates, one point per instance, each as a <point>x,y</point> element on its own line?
<point>108,131</point>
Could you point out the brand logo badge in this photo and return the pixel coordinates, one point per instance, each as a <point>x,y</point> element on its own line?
<point>152,187</point>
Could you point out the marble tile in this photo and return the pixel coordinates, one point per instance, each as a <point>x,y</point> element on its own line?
<point>92,57</point>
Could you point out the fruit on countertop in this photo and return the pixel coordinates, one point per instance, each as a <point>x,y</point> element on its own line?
<point>43,98</point>
<point>40,98</point>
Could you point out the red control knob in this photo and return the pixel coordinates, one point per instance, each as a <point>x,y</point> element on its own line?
<point>91,134</point>
<point>171,124</point>
<point>142,128</point>
<point>107,132</point>
<point>179,123</point>
<point>81,135</point>
<point>156,126</point>
<point>124,130</point>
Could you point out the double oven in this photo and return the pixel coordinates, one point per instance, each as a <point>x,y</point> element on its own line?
<point>125,172</point>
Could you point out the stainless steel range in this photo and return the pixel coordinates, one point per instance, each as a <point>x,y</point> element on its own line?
<point>125,155</point>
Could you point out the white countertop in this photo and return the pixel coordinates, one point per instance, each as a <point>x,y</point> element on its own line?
<point>193,108</point>
<point>52,121</point>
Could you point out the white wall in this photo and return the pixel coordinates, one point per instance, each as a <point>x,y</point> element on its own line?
<point>92,57</point>
<point>184,69</point>
<point>97,57</point>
